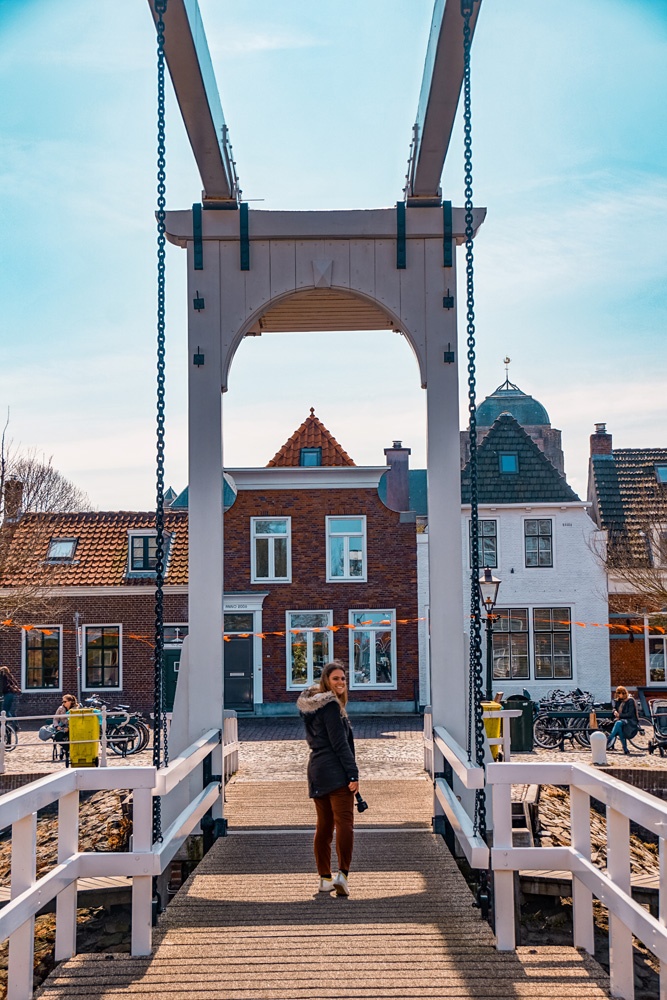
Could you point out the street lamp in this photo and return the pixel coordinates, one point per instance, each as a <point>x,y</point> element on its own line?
<point>488,591</point>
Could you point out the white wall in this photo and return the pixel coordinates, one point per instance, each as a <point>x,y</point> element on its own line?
<point>577,581</point>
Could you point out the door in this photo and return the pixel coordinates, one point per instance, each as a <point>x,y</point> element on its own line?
<point>171,659</point>
<point>238,673</point>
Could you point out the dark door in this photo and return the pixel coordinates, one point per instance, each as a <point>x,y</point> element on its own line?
<point>238,673</point>
<point>171,659</point>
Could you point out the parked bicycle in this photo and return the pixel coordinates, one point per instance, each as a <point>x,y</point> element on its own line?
<point>574,715</point>
<point>127,732</point>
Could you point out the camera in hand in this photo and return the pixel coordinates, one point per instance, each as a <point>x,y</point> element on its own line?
<point>361,805</point>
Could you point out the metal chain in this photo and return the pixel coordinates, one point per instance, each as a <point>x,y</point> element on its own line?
<point>160,752</point>
<point>476,678</point>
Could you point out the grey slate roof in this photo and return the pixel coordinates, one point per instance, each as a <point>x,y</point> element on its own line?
<point>627,497</point>
<point>537,481</point>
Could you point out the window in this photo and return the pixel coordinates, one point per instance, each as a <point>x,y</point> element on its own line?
<point>42,649</point>
<point>143,553</point>
<point>308,646</point>
<point>175,634</point>
<point>101,656</point>
<point>61,549</point>
<point>659,545</point>
<point>346,548</point>
<point>487,543</point>
<point>661,472</point>
<point>538,541</point>
<point>553,647</point>
<point>239,622</point>
<point>310,456</point>
<point>508,462</point>
<point>510,644</point>
<point>373,649</point>
<point>657,659</point>
<point>271,553</point>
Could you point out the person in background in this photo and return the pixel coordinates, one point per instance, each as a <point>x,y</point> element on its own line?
<point>61,722</point>
<point>626,725</point>
<point>10,690</point>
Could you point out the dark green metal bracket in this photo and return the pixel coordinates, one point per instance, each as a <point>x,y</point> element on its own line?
<point>447,236</point>
<point>401,248</point>
<point>198,302</point>
<point>450,356</point>
<point>447,302</point>
<point>197,236</point>
<point>244,235</point>
<point>198,358</point>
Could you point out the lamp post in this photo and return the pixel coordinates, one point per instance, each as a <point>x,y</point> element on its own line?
<point>488,592</point>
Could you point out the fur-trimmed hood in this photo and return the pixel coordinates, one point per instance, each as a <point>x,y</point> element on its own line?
<point>313,699</point>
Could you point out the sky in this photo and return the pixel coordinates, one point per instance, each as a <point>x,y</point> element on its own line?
<point>570,151</point>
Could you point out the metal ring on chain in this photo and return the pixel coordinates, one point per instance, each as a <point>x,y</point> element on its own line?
<point>475,675</point>
<point>160,751</point>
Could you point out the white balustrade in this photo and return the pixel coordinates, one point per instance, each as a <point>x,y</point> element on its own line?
<point>145,860</point>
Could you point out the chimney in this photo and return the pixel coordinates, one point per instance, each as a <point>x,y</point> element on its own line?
<point>601,441</point>
<point>398,487</point>
<point>13,499</point>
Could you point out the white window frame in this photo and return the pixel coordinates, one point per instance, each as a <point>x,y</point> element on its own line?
<point>84,656</point>
<point>536,517</point>
<point>62,559</point>
<point>647,658</point>
<point>24,662</point>
<point>496,536</point>
<point>309,632</point>
<point>552,632</point>
<point>346,578</point>
<point>143,533</point>
<point>272,578</point>
<point>389,614</point>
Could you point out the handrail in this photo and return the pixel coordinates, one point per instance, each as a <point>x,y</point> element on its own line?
<point>469,774</point>
<point>168,777</point>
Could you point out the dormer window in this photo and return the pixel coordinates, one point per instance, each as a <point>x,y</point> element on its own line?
<point>61,549</point>
<point>661,473</point>
<point>508,462</point>
<point>310,456</point>
<point>143,553</point>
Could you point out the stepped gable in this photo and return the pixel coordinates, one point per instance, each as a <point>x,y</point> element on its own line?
<point>628,496</point>
<point>101,554</point>
<point>537,481</point>
<point>311,434</point>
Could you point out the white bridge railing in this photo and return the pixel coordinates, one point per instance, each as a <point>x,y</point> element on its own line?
<point>611,885</point>
<point>142,862</point>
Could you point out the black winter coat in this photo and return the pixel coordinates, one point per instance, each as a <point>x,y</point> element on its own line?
<point>329,736</point>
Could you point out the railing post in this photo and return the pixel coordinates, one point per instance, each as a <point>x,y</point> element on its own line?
<point>103,737</point>
<point>142,885</point>
<point>621,965</point>
<point>22,941</point>
<point>428,741</point>
<point>582,898</point>
<point>503,879</point>
<point>3,736</point>
<point>662,911</point>
<point>68,844</point>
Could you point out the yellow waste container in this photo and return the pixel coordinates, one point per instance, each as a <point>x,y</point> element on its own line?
<point>84,737</point>
<point>492,726</point>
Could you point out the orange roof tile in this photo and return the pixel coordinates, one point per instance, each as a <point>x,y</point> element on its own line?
<point>311,434</point>
<point>101,555</point>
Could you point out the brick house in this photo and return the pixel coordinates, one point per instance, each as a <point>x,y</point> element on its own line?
<point>627,488</point>
<point>317,566</point>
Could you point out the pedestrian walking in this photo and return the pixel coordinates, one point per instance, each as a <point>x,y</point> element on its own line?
<point>626,725</point>
<point>10,689</point>
<point>333,776</point>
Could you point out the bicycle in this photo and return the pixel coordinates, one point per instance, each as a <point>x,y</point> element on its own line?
<point>127,732</point>
<point>11,735</point>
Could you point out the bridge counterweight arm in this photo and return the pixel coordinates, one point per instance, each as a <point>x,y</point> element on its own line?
<point>438,100</point>
<point>191,70</point>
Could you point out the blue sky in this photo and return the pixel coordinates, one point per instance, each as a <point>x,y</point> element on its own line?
<point>570,144</point>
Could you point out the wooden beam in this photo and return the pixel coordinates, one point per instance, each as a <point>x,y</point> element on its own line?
<point>438,99</point>
<point>191,70</point>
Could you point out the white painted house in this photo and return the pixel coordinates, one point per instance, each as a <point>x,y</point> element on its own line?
<point>538,538</point>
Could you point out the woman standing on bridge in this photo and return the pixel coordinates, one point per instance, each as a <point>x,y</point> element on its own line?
<point>333,777</point>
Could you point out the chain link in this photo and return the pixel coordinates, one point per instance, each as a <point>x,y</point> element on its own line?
<point>475,675</point>
<point>160,746</point>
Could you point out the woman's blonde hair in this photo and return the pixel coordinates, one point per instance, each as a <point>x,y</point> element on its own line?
<point>622,692</point>
<point>72,698</point>
<point>324,680</point>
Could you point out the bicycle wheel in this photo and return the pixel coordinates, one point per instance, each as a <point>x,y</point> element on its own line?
<point>124,740</point>
<point>11,738</point>
<point>643,737</point>
<point>582,732</point>
<point>144,732</point>
<point>547,731</point>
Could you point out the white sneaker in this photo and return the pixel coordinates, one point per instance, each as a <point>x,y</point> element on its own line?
<point>326,885</point>
<point>340,885</point>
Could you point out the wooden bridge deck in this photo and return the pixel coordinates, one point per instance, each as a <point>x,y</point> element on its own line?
<point>249,924</point>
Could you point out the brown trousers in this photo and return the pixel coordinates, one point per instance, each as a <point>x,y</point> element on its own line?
<point>334,811</point>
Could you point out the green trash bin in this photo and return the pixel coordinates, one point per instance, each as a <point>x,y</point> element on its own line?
<point>521,728</point>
